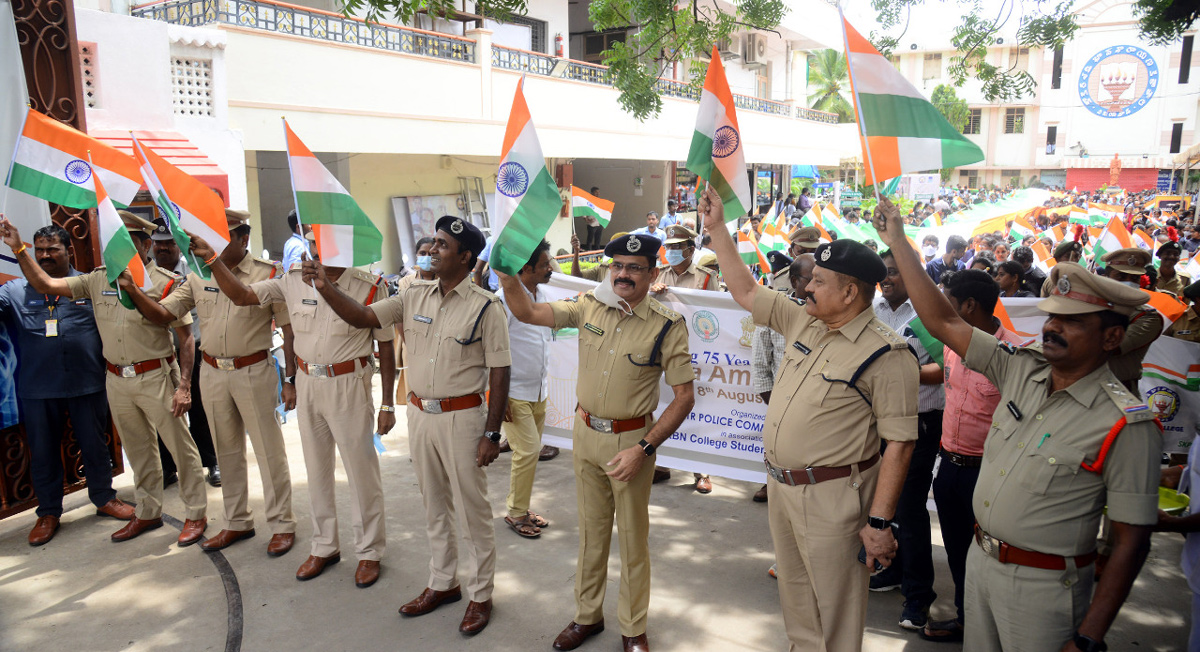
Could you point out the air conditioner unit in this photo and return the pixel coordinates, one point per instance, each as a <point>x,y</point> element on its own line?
<point>756,51</point>
<point>727,48</point>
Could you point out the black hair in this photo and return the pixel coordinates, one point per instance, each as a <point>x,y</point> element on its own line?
<point>1013,268</point>
<point>293,221</point>
<point>594,190</point>
<point>423,241</point>
<point>987,264</point>
<point>1022,254</point>
<point>53,231</point>
<point>1110,318</point>
<point>956,242</point>
<point>543,247</point>
<point>973,284</point>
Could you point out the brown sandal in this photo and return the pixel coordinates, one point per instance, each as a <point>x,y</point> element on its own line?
<point>536,519</point>
<point>523,527</point>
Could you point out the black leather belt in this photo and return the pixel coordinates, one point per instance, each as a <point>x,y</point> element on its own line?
<point>973,461</point>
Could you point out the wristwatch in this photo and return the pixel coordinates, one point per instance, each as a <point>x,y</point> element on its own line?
<point>387,408</point>
<point>291,380</point>
<point>1089,644</point>
<point>493,436</point>
<point>879,522</point>
<point>647,447</point>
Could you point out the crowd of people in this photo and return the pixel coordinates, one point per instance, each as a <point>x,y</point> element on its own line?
<point>877,364</point>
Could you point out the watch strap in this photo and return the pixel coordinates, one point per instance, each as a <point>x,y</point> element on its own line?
<point>647,447</point>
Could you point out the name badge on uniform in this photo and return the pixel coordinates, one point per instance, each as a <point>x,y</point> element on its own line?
<point>1187,332</point>
<point>309,302</point>
<point>801,348</point>
<point>81,302</point>
<point>208,289</point>
<point>108,293</point>
<point>36,302</point>
<point>423,319</point>
<point>595,329</point>
<point>51,328</point>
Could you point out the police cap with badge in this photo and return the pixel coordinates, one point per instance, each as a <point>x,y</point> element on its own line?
<point>1129,260</point>
<point>1076,291</point>
<point>161,232</point>
<point>236,219</point>
<point>634,244</point>
<point>468,235</point>
<point>808,237</point>
<point>679,233</point>
<point>136,224</point>
<point>852,259</point>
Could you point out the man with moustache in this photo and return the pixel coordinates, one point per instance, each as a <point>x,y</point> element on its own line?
<point>628,341</point>
<point>1068,440</point>
<point>60,377</point>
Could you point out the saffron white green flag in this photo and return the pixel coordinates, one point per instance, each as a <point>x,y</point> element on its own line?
<point>716,153</point>
<point>527,198</point>
<point>587,205</point>
<point>118,250</point>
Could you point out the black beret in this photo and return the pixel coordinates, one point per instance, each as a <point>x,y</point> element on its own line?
<point>634,244</point>
<point>852,259</point>
<point>779,261</point>
<point>467,234</point>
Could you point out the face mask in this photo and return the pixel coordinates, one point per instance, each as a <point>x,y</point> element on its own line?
<point>1132,284</point>
<point>674,257</point>
<point>605,294</point>
<point>930,251</point>
<point>425,263</point>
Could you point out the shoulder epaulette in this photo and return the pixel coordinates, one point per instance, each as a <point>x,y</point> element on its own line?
<point>486,294</point>
<point>889,336</point>
<point>1131,404</point>
<point>659,308</point>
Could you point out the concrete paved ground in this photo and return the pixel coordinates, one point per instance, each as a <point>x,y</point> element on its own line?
<point>710,587</point>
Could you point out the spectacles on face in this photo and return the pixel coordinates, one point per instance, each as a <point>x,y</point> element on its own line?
<point>631,268</point>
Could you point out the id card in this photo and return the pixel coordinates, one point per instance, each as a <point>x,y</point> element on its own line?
<point>51,328</point>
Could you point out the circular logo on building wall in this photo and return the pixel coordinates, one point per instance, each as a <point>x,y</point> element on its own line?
<point>1164,402</point>
<point>1118,81</point>
<point>706,325</point>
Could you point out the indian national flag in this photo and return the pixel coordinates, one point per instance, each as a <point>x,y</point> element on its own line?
<point>1044,260</point>
<point>1143,240</point>
<point>750,251</point>
<point>119,252</point>
<point>1167,305</point>
<point>527,198</point>
<point>900,130</point>
<point>1115,236</point>
<point>933,220</point>
<point>586,205</point>
<point>187,203</point>
<point>1021,228</point>
<point>772,239</point>
<point>345,236</point>
<point>51,162</point>
<point>716,153</point>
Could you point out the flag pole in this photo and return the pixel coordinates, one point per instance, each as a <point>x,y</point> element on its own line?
<point>11,160</point>
<point>287,147</point>
<point>92,169</point>
<point>862,127</point>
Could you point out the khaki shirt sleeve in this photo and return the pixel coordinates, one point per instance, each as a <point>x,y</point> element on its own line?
<point>385,333</point>
<point>893,382</point>
<point>592,273</point>
<point>676,359</point>
<point>181,300</point>
<point>269,291</point>
<point>566,313</point>
<point>81,286</point>
<point>186,318</point>
<point>775,310</point>
<point>278,308</point>
<point>495,336</point>
<point>1131,474</point>
<point>1142,331</point>
<point>389,311</point>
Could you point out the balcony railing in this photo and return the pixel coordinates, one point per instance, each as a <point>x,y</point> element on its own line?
<point>285,18</point>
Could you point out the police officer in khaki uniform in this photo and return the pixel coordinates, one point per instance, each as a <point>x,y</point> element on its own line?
<point>846,381</point>
<point>145,390</point>
<point>1187,327</point>
<point>238,380</point>
<point>333,389</point>
<point>627,342</point>
<point>457,334</point>
<point>804,240</point>
<point>1169,279</point>
<point>1127,266</point>
<point>1051,463</point>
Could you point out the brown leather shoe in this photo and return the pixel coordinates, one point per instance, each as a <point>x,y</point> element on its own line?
<point>224,539</point>
<point>430,600</point>
<point>116,509</point>
<point>314,565</point>
<point>575,634</point>
<point>704,485</point>
<point>760,496</point>
<point>366,574</point>
<point>43,530</point>
<point>661,475</point>
<point>280,544</point>
<point>636,643</point>
<point>193,530</point>
<point>478,615</point>
<point>548,453</point>
<point>135,527</point>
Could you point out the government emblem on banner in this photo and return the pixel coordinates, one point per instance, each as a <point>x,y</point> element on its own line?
<point>706,325</point>
<point>1164,401</point>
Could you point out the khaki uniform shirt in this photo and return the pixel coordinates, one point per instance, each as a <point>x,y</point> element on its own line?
<point>596,273</point>
<point>127,336</point>
<point>435,327</point>
<point>692,278</point>
<point>1174,285</point>
<point>1032,491</point>
<point>321,337</point>
<point>230,331</point>
<point>613,347</point>
<point>815,418</point>
<point>1186,327</point>
<point>1144,327</point>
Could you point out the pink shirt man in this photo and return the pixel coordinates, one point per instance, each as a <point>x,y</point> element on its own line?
<point>970,401</point>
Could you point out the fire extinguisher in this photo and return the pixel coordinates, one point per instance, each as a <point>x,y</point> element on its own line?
<point>558,45</point>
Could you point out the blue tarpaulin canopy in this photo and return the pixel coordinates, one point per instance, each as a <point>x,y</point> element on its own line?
<point>805,172</point>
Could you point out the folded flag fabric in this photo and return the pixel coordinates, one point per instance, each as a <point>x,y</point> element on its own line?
<point>51,162</point>
<point>117,248</point>
<point>527,200</point>
<point>932,345</point>
<point>716,152</point>
<point>345,236</point>
<point>587,205</point>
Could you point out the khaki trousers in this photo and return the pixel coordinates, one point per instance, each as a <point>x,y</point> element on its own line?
<point>1011,607</point>
<point>443,448</point>
<point>524,435</point>
<point>822,585</point>
<point>140,406</point>
<point>238,402</point>
<point>599,498</point>
<point>338,413</point>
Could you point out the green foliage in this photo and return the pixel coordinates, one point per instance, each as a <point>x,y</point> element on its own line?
<point>829,85</point>
<point>955,110</point>
<point>1164,21</point>
<point>404,10</point>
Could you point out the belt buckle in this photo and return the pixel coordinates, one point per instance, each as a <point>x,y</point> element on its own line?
<point>226,364</point>
<point>988,543</point>
<point>812,479</point>
<point>128,371</point>
<point>319,370</point>
<point>431,405</point>
<point>602,425</point>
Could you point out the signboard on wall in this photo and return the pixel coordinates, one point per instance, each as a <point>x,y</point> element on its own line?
<point>1118,81</point>
<point>1166,181</point>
